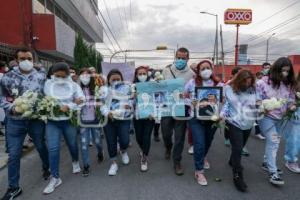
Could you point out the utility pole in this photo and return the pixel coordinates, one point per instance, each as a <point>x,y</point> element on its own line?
<point>267,53</point>
<point>223,55</point>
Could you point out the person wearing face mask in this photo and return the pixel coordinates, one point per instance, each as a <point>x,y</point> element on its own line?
<point>169,125</point>
<point>202,130</point>
<point>117,129</point>
<point>14,84</point>
<point>266,68</point>
<point>89,118</point>
<point>143,127</point>
<point>240,113</point>
<point>66,92</point>
<point>279,84</point>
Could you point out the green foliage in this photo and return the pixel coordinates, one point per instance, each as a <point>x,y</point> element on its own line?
<point>85,56</point>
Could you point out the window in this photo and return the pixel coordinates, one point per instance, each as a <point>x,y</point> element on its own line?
<point>49,7</point>
<point>38,6</point>
<point>57,12</point>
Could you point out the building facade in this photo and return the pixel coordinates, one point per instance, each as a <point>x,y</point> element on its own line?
<point>48,26</point>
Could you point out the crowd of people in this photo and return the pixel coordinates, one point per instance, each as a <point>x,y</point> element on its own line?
<point>243,97</point>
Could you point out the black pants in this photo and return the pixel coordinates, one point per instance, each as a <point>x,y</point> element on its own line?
<point>226,132</point>
<point>143,129</point>
<point>169,126</point>
<point>156,130</point>
<point>257,129</point>
<point>238,139</point>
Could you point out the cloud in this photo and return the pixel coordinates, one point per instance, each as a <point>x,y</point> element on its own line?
<point>167,24</point>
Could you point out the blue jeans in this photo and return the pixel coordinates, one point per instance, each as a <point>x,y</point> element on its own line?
<point>203,135</point>
<point>85,138</point>
<point>292,145</point>
<point>54,131</point>
<point>117,131</point>
<point>16,133</point>
<point>272,130</point>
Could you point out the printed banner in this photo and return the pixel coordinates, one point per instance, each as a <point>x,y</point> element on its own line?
<point>160,99</point>
<point>127,69</point>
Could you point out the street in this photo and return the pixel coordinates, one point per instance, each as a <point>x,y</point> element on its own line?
<point>159,182</point>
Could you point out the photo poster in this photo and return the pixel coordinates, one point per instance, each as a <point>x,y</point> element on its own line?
<point>160,99</point>
<point>118,99</point>
<point>127,69</point>
<point>213,96</point>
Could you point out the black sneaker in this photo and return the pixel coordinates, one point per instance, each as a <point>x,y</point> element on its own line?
<point>275,179</point>
<point>100,157</point>
<point>46,174</point>
<point>239,182</point>
<point>12,193</point>
<point>265,168</point>
<point>86,171</point>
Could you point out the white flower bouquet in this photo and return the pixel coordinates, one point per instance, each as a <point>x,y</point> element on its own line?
<point>158,76</point>
<point>273,104</point>
<point>26,104</point>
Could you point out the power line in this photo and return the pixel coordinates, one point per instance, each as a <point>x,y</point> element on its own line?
<point>110,31</point>
<point>276,13</point>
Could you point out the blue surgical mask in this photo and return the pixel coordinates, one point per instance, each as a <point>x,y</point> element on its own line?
<point>180,64</point>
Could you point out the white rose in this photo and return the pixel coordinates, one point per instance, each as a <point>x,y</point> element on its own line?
<point>18,109</point>
<point>214,118</point>
<point>24,106</point>
<point>27,114</point>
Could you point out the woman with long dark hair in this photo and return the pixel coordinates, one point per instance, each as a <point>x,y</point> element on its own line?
<point>279,84</point>
<point>143,127</point>
<point>91,129</point>
<point>117,128</point>
<point>239,111</point>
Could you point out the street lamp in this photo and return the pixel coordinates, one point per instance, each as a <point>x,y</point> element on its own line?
<point>216,48</point>
<point>267,53</point>
<point>159,48</point>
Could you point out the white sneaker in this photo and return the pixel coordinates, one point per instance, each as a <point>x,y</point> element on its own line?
<point>125,158</point>
<point>144,164</point>
<point>191,150</point>
<point>54,183</point>
<point>206,164</point>
<point>113,169</point>
<point>76,167</point>
<point>259,136</point>
<point>293,167</point>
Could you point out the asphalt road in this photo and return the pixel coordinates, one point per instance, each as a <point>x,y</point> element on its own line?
<point>159,182</point>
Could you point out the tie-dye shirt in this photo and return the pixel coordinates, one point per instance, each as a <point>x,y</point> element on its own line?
<point>239,108</point>
<point>14,84</point>
<point>265,90</point>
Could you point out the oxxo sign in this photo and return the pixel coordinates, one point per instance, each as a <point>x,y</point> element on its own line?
<point>238,16</point>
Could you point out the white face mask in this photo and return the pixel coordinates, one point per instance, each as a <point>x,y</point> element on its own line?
<point>285,74</point>
<point>60,80</point>
<point>26,65</point>
<point>85,79</point>
<point>206,74</point>
<point>142,78</point>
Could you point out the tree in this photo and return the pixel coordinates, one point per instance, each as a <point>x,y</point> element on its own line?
<point>85,56</point>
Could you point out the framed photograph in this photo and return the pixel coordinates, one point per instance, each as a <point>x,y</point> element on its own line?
<point>160,99</point>
<point>212,97</point>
